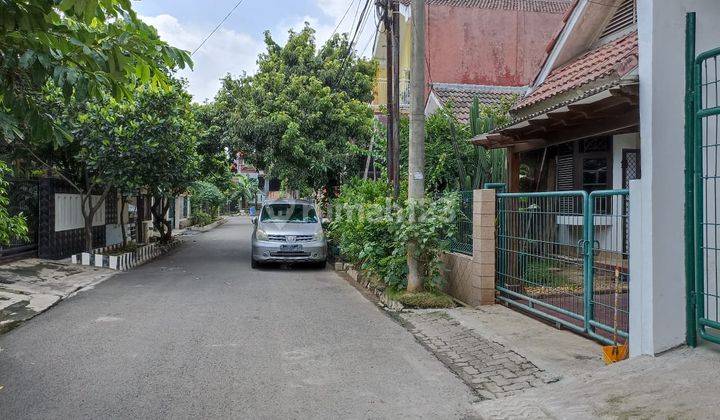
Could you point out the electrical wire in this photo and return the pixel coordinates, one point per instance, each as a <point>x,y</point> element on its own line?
<point>217,27</point>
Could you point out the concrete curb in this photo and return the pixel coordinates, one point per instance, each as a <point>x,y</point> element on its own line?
<point>211,226</point>
<point>125,261</point>
<point>360,278</point>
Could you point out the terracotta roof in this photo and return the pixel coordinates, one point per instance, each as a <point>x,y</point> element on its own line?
<point>462,96</point>
<point>607,60</point>
<point>540,6</point>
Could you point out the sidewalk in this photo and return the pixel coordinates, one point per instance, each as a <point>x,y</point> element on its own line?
<point>30,286</point>
<point>521,368</point>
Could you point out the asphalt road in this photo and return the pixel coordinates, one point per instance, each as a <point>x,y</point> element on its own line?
<point>199,334</point>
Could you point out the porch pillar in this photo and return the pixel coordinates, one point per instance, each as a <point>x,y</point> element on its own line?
<point>483,270</point>
<point>513,170</point>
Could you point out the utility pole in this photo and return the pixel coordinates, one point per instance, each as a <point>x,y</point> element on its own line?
<point>384,7</point>
<point>416,150</point>
<point>395,111</point>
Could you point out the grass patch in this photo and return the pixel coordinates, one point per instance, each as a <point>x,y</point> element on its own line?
<point>130,247</point>
<point>421,299</point>
<point>542,272</point>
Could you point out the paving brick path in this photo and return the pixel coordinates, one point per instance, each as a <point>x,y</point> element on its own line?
<point>490,369</point>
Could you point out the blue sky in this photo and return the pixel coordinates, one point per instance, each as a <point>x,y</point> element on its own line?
<point>234,47</point>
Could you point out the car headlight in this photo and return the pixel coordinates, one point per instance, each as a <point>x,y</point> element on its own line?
<point>261,235</point>
<point>319,235</point>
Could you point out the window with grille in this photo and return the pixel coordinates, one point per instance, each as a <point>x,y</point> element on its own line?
<point>624,17</point>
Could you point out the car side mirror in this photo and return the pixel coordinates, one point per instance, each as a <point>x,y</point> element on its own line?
<point>254,220</point>
<point>325,222</point>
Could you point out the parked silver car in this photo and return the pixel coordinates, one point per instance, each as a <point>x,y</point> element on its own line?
<point>288,231</point>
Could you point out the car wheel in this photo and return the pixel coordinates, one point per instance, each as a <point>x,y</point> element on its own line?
<point>320,264</point>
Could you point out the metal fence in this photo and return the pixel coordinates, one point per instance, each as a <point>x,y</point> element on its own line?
<point>462,241</point>
<point>23,195</point>
<point>557,256</point>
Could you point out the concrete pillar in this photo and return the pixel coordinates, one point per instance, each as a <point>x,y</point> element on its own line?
<point>483,270</point>
<point>660,286</point>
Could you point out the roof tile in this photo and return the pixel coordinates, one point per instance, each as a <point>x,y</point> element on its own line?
<point>462,95</point>
<point>593,65</point>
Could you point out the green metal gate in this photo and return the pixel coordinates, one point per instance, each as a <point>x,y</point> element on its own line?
<point>703,247</point>
<point>558,254</point>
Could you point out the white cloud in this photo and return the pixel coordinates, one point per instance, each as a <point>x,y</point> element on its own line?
<point>227,51</point>
<point>335,10</point>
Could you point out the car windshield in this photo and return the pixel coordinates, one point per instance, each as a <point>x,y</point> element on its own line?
<point>288,213</point>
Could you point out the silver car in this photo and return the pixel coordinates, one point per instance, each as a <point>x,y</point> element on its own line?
<point>288,231</point>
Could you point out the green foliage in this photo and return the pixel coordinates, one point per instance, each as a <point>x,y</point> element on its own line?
<point>244,190</point>
<point>84,47</point>
<point>201,218</point>
<point>299,116</point>
<point>212,144</point>
<point>11,227</point>
<point>372,232</point>
<point>433,299</point>
<point>206,197</point>
<point>544,274</point>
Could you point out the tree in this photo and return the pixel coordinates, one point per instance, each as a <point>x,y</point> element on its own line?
<point>213,144</point>
<point>162,147</point>
<point>83,50</point>
<point>299,115</point>
<point>85,47</point>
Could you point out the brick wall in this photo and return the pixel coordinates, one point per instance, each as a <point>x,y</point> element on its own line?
<point>471,279</point>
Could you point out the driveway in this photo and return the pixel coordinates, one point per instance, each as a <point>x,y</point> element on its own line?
<point>200,334</point>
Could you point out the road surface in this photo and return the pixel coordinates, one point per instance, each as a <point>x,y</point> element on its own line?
<point>199,334</point>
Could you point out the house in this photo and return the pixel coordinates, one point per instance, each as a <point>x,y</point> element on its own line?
<point>472,46</point>
<point>612,146</point>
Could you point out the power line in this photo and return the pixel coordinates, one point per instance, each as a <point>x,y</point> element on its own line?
<point>374,37</point>
<point>343,17</point>
<point>363,16</point>
<point>217,27</point>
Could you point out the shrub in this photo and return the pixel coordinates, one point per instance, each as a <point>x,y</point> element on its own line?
<point>372,231</point>
<point>206,197</point>
<point>200,218</point>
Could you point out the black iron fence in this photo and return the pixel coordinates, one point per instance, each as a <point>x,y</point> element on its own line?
<point>24,198</point>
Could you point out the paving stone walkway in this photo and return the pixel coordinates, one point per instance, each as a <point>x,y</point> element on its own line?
<point>490,369</point>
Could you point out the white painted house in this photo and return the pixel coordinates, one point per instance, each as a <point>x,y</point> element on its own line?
<point>607,111</point>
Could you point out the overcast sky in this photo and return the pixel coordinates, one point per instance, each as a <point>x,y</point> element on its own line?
<point>234,47</point>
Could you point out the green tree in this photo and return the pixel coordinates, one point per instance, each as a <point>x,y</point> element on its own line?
<point>161,146</point>
<point>299,115</point>
<point>81,50</point>
<point>85,47</point>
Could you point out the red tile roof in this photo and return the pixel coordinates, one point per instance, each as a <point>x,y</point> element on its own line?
<point>607,60</point>
<point>462,95</point>
<point>540,6</point>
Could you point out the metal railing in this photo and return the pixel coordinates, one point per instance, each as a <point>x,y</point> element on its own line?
<point>557,255</point>
<point>462,241</point>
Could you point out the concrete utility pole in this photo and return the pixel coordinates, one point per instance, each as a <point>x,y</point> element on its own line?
<point>384,6</point>
<point>395,111</point>
<point>416,158</point>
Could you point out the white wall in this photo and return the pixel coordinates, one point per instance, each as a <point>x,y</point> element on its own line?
<point>661,28</point>
<point>68,213</point>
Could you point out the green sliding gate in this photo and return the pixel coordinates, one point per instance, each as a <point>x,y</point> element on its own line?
<point>562,255</point>
<point>703,225</point>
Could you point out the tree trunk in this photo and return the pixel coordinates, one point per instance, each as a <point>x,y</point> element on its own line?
<point>123,200</point>
<point>159,208</point>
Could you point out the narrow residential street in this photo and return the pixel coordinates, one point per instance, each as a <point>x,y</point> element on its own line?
<point>199,334</point>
